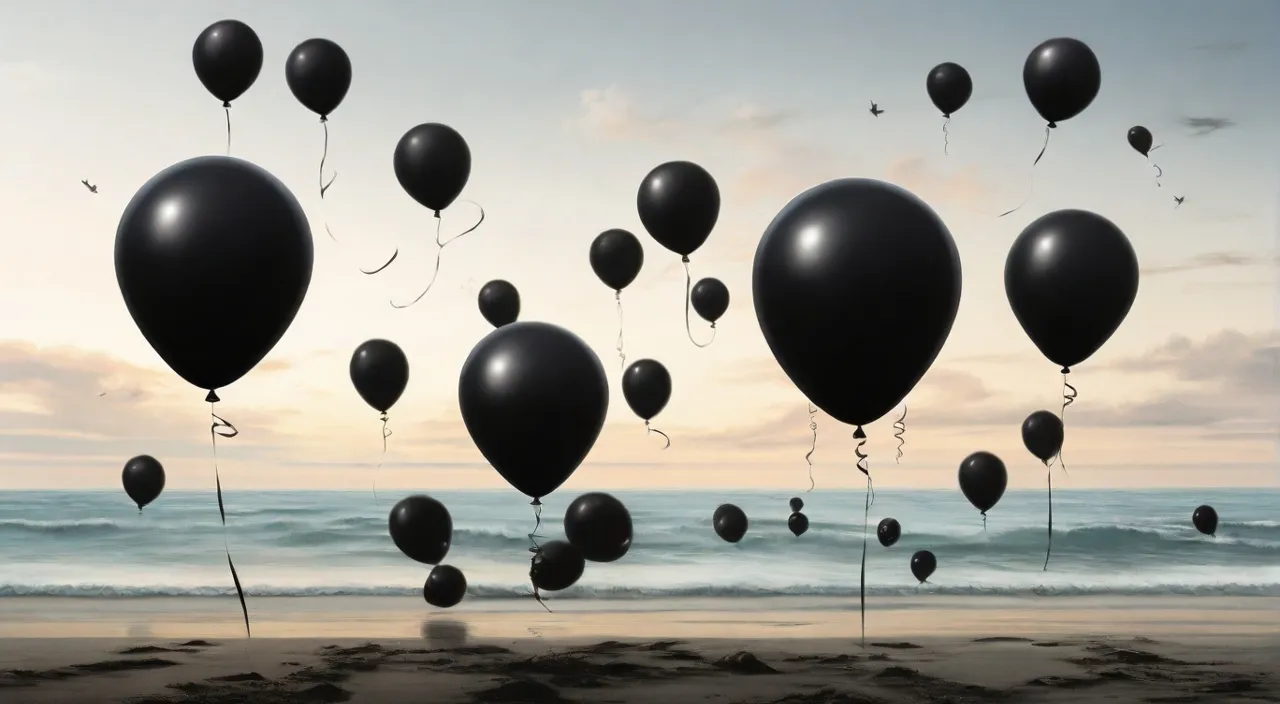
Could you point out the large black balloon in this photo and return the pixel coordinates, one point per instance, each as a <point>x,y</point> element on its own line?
<point>499,302</point>
<point>1071,278</point>
<point>143,478</point>
<point>422,528</point>
<point>888,531</point>
<point>923,564</point>
<point>679,203</point>
<point>1140,139</point>
<point>445,586</point>
<point>1062,77</point>
<point>380,371</point>
<point>318,72</point>
<point>646,385</point>
<point>433,163</point>
<point>213,256</point>
<point>949,87</point>
<point>849,259</point>
<point>1205,519</point>
<point>1042,433</point>
<point>556,565</point>
<point>616,258</point>
<point>798,524</point>
<point>227,57</point>
<point>730,522</point>
<point>533,397</point>
<point>710,298</point>
<point>599,525</point>
<point>983,480</point>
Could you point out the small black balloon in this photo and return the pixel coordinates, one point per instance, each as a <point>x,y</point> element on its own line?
<point>227,57</point>
<point>679,203</point>
<point>646,385</point>
<point>599,525</point>
<point>445,586</point>
<point>433,163</point>
<point>1062,77</point>
<point>143,478</point>
<point>710,298</point>
<point>797,504</point>
<point>888,531</point>
<point>949,87</point>
<point>380,371</point>
<point>616,258</point>
<point>730,522</point>
<point>1205,519</point>
<point>1042,433</point>
<point>422,528</point>
<point>923,564</point>
<point>798,523</point>
<point>1140,139</point>
<point>318,72</point>
<point>983,479</point>
<point>499,302</point>
<point>556,565</point>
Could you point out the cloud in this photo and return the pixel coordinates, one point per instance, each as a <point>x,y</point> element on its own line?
<point>1203,126</point>
<point>915,174</point>
<point>1213,260</point>
<point>1224,47</point>
<point>754,117</point>
<point>611,114</point>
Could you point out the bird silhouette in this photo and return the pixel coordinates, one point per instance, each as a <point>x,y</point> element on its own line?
<point>92,188</point>
<point>1178,200</point>
<point>875,109</point>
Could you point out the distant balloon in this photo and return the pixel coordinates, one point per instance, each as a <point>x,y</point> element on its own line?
<point>888,531</point>
<point>143,478</point>
<point>499,303</point>
<point>598,525</point>
<point>533,397</point>
<point>1042,433</point>
<point>710,298</point>
<point>798,523</point>
<point>1205,520</point>
<point>227,57</point>
<point>1062,77</point>
<point>422,528</point>
<point>556,565</point>
<point>1071,277</point>
<point>730,523</point>
<point>318,72</point>
<point>679,203</point>
<point>616,258</point>
<point>1140,139</point>
<point>797,504</point>
<point>983,479</point>
<point>949,87</point>
<point>380,371</point>
<point>923,564</point>
<point>646,385</point>
<point>433,163</point>
<point>445,586</point>
<point>213,256</point>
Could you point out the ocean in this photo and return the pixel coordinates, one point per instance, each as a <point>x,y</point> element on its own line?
<point>319,543</point>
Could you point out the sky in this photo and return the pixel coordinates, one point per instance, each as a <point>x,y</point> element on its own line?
<point>566,106</point>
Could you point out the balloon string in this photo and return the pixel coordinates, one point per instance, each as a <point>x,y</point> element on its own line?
<point>440,245</point>
<point>1049,546</point>
<point>688,291</point>
<point>537,552</point>
<point>899,431</point>
<point>622,355</point>
<point>324,186</point>
<point>813,446</point>
<point>219,427</point>
<point>648,429</point>
<point>863,467</point>
<point>1069,394</point>
<point>226,109</point>
<point>1032,176</point>
<point>1159,171</point>
<point>946,137</point>
<point>386,433</point>
<point>984,521</point>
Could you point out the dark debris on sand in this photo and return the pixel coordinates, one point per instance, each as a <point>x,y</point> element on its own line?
<point>828,695</point>
<point>519,692</point>
<point>30,678</point>
<point>744,663</point>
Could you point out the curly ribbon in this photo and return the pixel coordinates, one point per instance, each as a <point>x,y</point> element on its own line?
<point>648,429</point>
<point>324,185</point>
<point>813,446</point>
<point>946,136</point>
<point>622,356</point>
<point>386,433</point>
<point>219,427</point>
<point>1032,176</point>
<point>1159,171</point>
<point>537,551</point>
<point>863,467</point>
<point>899,431</point>
<point>226,109</point>
<point>1049,547</point>
<point>1069,394</point>
<point>440,245</point>
<point>688,302</point>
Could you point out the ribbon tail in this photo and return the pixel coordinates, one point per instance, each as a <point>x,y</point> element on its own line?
<point>536,550</point>
<point>899,433</point>
<point>1032,176</point>
<point>946,137</point>
<point>813,446</point>
<point>226,109</point>
<point>220,427</point>
<point>688,302</point>
<point>1049,546</point>
<point>650,429</point>
<point>622,355</point>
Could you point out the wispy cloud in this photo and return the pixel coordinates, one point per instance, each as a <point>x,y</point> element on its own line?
<point>1204,126</point>
<point>1213,260</point>
<point>613,114</point>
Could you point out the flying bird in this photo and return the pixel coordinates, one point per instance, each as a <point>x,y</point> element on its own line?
<point>875,109</point>
<point>1178,200</point>
<point>92,188</point>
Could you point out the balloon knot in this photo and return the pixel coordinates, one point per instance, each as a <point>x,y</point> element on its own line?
<point>212,397</point>
<point>437,215</point>
<point>713,325</point>
<point>858,434</point>
<point>684,258</point>
<point>946,115</point>
<point>535,502</point>
<point>1066,370</point>
<point>1053,125</point>
<point>383,417</point>
<point>324,118</point>
<point>226,104</point>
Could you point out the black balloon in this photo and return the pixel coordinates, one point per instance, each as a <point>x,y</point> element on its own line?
<point>227,57</point>
<point>422,528</point>
<point>1140,139</point>
<point>710,298</point>
<point>143,478</point>
<point>380,371</point>
<point>646,385</point>
<point>1042,433</point>
<point>679,203</point>
<point>923,564</point>
<point>616,258</point>
<point>888,531</point>
<point>445,586</point>
<point>318,72</point>
<point>1071,278</point>
<point>1062,77</point>
<point>599,526</point>
<point>1205,519</point>
<point>499,302</point>
<point>848,259</point>
<point>798,523</point>
<point>730,522</point>
<point>556,565</point>
<point>797,504</point>
<point>533,397</point>
<point>983,480</point>
<point>433,163</point>
<point>213,256</point>
<point>949,87</point>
